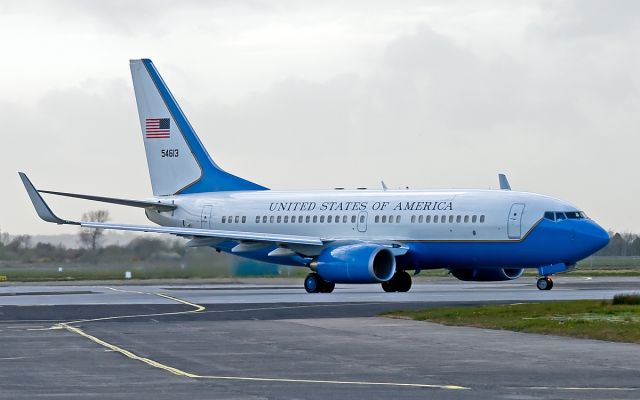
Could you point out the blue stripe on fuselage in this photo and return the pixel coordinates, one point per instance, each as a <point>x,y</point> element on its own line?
<point>547,243</point>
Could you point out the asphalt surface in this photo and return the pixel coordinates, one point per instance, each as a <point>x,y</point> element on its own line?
<point>278,342</point>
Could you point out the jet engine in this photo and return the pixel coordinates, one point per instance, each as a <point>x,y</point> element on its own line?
<point>487,274</point>
<point>355,263</point>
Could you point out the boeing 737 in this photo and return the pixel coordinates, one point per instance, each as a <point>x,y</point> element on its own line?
<point>342,236</point>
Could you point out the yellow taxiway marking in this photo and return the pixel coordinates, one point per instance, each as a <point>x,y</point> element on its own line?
<point>198,309</point>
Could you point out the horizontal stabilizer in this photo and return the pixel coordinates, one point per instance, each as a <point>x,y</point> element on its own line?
<point>151,205</point>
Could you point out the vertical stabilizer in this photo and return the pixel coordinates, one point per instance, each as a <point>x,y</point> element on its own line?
<point>178,162</point>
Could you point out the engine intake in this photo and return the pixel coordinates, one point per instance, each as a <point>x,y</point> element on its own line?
<point>356,263</point>
<point>487,274</point>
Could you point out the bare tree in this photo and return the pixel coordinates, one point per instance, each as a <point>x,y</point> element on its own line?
<point>90,237</point>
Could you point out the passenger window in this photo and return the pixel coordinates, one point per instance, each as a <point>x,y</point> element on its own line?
<point>362,219</point>
<point>330,218</point>
<point>271,218</point>
<point>353,219</point>
<point>264,219</point>
<point>397,219</point>
<point>482,219</point>
<point>450,219</point>
<point>300,219</point>
<point>237,219</point>
<point>435,218</point>
<point>307,219</point>
<point>443,219</point>
<point>293,219</point>
<point>337,219</point>
<point>428,219</point>
<point>286,219</point>
<point>321,218</point>
<point>258,219</point>
<point>466,219</point>
<point>474,219</point>
<point>419,218</point>
<point>279,219</point>
<point>458,219</point>
<point>315,219</point>
<point>224,219</point>
<point>244,219</point>
<point>384,219</point>
<point>377,219</point>
<point>413,219</point>
<point>344,219</point>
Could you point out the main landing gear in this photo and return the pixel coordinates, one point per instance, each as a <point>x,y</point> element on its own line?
<point>545,283</point>
<point>313,283</point>
<point>400,282</point>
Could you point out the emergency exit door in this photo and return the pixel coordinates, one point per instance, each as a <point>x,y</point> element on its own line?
<point>205,219</point>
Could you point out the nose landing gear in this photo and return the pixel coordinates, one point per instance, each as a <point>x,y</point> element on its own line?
<point>545,283</point>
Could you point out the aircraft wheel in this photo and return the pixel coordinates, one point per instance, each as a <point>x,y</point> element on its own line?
<point>544,283</point>
<point>327,287</point>
<point>389,286</point>
<point>312,283</point>
<point>403,280</point>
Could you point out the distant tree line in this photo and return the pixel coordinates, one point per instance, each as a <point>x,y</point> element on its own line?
<point>621,244</point>
<point>21,248</point>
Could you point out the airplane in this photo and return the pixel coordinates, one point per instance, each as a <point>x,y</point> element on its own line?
<point>342,236</point>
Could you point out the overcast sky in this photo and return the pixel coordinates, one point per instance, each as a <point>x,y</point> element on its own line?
<point>321,94</point>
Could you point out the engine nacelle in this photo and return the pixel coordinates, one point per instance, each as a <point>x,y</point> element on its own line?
<point>355,263</point>
<point>487,274</point>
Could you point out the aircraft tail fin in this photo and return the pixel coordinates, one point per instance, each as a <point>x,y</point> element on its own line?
<point>178,162</point>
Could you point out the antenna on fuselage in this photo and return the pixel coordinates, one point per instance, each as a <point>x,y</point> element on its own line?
<point>384,186</point>
<point>504,182</point>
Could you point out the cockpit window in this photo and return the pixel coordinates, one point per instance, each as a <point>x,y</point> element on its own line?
<point>559,215</point>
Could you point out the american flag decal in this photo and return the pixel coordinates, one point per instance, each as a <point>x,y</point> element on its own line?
<point>157,128</point>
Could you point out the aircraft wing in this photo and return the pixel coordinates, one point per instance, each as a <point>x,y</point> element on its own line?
<point>46,214</point>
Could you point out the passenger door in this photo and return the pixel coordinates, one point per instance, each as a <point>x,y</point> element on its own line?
<point>205,219</point>
<point>514,227</point>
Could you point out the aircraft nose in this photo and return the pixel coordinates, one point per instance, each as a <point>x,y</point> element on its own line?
<point>596,237</point>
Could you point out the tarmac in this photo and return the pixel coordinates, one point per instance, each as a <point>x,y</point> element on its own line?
<point>275,341</point>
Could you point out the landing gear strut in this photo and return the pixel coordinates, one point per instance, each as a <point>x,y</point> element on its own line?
<point>545,283</point>
<point>400,282</point>
<point>313,283</point>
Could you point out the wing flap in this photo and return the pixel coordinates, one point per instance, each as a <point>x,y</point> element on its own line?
<point>196,232</point>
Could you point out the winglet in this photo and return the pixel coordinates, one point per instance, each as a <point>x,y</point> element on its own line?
<point>504,183</point>
<point>41,207</point>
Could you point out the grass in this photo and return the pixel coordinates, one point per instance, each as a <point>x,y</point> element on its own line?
<point>589,319</point>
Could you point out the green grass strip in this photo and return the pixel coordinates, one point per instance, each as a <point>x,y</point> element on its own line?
<point>589,319</point>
